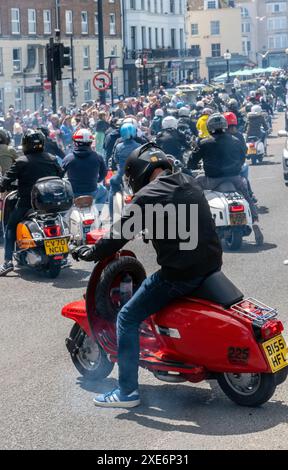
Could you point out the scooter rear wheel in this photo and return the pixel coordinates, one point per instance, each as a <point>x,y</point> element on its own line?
<point>248,389</point>
<point>234,241</point>
<point>88,357</point>
<point>54,269</point>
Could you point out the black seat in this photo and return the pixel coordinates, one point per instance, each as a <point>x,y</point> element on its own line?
<point>219,289</point>
<point>226,187</point>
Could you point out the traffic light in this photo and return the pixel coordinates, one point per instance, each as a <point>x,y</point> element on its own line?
<point>57,57</point>
<point>65,55</point>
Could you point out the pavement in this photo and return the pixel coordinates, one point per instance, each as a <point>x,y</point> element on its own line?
<point>45,404</point>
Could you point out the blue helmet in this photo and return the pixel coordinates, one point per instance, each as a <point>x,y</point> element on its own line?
<point>128,131</point>
<point>180,105</point>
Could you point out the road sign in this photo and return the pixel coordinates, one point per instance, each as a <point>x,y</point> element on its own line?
<point>102,81</point>
<point>47,85</point>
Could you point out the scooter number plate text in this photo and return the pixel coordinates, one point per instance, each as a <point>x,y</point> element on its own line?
<point>276,352</point>
<point>252,152</point>
<point>238,219</point>
<point>56,246</point>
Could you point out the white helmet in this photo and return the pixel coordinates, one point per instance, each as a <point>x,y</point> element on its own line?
<point>169,122</point>
<point>256,109</point>
<point>83,137</point>
<point>159,112</point>
<point>129,120</point>
<point>184,112</point>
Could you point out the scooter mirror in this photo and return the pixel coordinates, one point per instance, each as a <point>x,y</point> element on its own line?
<point>282,134</point>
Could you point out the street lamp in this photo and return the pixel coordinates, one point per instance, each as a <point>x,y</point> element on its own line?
<point>227,56</point>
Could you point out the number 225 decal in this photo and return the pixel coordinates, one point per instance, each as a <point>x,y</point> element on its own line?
<point>238,355</point>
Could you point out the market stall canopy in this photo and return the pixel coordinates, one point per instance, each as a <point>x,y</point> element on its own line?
<point>247,73</point>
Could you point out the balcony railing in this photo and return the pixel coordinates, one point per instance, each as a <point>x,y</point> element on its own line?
<point>162,53</point>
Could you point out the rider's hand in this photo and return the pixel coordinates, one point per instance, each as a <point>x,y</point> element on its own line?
<point>83,253</point>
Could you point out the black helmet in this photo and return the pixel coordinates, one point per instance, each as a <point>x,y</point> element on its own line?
<point>216,123</point>
<point>141,164</point>
<point>4,137</point>
<point>33,142</point>
<point>44,131</point>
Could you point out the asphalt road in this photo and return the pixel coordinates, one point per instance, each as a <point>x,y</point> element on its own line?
<point>46,405</point>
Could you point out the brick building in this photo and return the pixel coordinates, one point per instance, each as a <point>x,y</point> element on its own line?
<point>25,29</point>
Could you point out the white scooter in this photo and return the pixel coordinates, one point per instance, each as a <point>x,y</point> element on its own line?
<point>231,213</point>
<point>82,219</point>
<point>256,149</point>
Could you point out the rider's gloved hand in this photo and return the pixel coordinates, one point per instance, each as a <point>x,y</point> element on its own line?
<point>83,253</point>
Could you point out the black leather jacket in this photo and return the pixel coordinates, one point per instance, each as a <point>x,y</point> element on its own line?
<point>176,264</point>
<point>27,170</point>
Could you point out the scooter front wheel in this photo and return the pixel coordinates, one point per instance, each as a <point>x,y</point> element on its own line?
<point>248,389</point>
<point>87,356</point>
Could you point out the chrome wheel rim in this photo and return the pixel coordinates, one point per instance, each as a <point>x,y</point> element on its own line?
<point>243,384</point>
<point>89,354</point>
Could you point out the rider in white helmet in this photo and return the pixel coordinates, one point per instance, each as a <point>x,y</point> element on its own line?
<point>171,140</point>
<point>156,124</point>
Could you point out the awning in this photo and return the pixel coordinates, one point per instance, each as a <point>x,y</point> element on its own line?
<point>246,73</point>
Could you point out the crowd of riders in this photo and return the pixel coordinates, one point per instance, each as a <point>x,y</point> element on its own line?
<point>87,142</point>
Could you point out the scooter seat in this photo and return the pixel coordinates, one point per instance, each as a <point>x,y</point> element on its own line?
<point>219,289</point>
<point>226,187</point>
<point>221,187</point>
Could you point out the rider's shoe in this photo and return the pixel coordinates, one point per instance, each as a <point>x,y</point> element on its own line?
<point>259,238</point>
<point>6,268</point>
<point>116,399</point>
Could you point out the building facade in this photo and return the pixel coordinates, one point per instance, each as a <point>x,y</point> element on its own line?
<point>25,29</point>
<point>249,28</point>
<point>273,32</point>
<point>154,36</point>
<point>214,27</point>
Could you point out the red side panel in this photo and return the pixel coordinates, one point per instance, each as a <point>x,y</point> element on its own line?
<point>211,337</point>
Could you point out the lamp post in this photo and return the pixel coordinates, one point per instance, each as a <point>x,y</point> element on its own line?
<point>227,56</point>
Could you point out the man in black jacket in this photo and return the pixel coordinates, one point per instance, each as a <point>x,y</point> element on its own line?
<point>171,140</point>
<point>223,156</point>
<point>183,269</point>
<point>27,170</point>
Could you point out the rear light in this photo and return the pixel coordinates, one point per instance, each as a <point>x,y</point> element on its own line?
<point>95,236</point>
<point>237,208</point>
<point>271,329</point>
<point>252,145</point>
<point>88,221</point>
<point>52,231</point>
<point>128,199</point>
<point>58,257</point>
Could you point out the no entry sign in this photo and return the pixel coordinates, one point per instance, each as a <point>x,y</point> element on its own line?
<point>102,81</point>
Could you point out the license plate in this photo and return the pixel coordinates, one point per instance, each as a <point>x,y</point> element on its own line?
<point>252,152</point>
<point>238,219</point>
<point>276,352</point>
<point>56,246</point>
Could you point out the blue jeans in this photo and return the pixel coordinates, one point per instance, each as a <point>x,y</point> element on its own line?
<point>15,217</point>
<point>245,171</point>
<point>100,196</point>
<point>153,295</point>
<point>115,187</point>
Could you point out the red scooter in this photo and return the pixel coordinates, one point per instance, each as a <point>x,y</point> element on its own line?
<point>214,334</point>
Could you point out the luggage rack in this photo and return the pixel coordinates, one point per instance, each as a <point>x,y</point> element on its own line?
<point>254,310</point>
